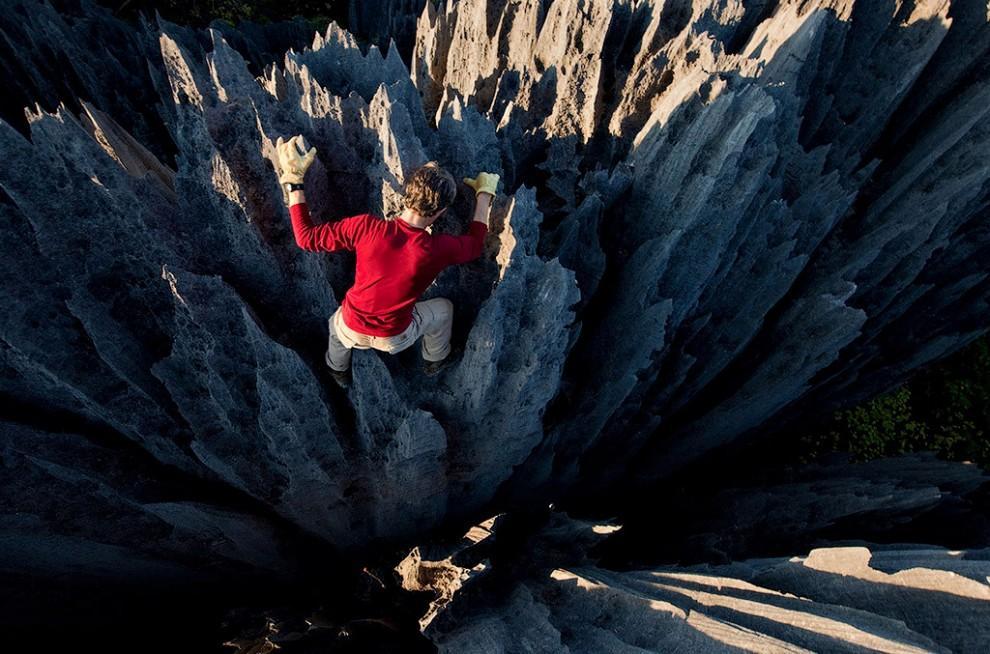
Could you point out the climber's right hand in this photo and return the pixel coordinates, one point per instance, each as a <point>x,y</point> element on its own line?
<point>293,159</point>
<point>483,183</point>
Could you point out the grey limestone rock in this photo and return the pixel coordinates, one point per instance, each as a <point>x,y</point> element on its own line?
<point>715,220</point>
<point>403,454</point>
<point>108,513</point>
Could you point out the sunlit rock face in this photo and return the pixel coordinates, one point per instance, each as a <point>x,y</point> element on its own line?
<point>554,591</point>
<point>714,220</point>
<point>835,599</point>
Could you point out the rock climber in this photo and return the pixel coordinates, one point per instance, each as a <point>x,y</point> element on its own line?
<point>397,259</point>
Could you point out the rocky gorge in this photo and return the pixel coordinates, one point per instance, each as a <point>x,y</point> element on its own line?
<point>718,220</point>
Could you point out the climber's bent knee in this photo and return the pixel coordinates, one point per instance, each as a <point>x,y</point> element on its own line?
<point>437,317</point>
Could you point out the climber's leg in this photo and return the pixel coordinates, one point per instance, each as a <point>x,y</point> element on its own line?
<point>338,355</point>
<point>434,319</point>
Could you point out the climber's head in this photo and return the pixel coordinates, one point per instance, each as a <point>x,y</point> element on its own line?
<point>428,191</point>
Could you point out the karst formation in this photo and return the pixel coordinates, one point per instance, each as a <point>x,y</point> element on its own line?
<point>716,220</point>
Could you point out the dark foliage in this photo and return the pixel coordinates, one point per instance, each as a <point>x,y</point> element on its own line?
<point>945,409</point>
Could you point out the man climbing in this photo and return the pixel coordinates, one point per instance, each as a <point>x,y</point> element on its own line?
<point>397,260</point>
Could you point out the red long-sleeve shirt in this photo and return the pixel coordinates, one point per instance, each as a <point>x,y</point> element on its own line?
<point>396,262</point>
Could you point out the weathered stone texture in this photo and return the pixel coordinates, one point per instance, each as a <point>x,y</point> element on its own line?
<point>715,219</point>
<point>548,593</point>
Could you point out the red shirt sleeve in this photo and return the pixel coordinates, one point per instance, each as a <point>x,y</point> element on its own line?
<point>461,249</point>
<point>341,235</point>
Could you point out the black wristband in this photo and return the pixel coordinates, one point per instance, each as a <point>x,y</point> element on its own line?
<point>290,186</point>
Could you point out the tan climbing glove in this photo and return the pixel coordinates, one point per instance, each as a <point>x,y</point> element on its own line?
<point>293,159</point>
<point>483,183</point>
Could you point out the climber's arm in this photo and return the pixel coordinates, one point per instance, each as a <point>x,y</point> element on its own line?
<point>461,249</point>
<point>341,235</point>
<point>482,204</point>
<point>293,160</point>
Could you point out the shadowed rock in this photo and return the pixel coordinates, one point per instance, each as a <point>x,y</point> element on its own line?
<point>716,221</point>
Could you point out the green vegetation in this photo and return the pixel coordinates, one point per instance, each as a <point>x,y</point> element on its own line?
<point>944,409</point>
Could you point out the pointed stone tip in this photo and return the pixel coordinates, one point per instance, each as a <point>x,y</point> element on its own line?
<point>32,115</point>
<point>452,104</point>
<point>164,40</point>
<point>392,52</point>
<point>216,36</point>
<point>429,12</point>
<point>382,95</point>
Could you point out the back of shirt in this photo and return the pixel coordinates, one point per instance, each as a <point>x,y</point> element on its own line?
<point>396,263</point>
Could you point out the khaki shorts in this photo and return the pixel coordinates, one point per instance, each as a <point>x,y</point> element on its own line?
<point>432,319</point>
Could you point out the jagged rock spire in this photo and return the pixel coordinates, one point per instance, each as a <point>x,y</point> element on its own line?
<point>716,220</point>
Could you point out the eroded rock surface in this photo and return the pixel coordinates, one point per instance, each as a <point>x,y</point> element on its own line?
<point>546,582</point>
<point>548,591</point>
<point>716,219</point>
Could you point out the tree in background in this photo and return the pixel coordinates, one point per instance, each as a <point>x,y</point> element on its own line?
<point>945,409</point>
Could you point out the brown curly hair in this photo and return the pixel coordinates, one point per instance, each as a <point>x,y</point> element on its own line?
<point>429,189</point>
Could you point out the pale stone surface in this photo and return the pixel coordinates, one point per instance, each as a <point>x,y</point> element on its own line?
<point>833,599</point>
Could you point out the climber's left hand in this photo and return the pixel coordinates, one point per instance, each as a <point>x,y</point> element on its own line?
<point>294,159</point>
<point>483,183</point>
